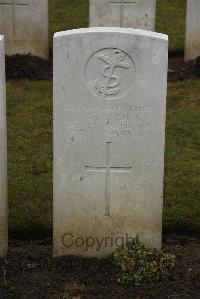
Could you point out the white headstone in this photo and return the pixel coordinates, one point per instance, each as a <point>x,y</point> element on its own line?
<point>24,23</point>
<point>3,155</point>
<point>138,14</point>
<point>109,136</point>
<point>192,43</point>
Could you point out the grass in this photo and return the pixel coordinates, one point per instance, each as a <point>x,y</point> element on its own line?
<point>29,110</point>
<point>30,156</point>
<point>68,14</point>
<point>182,167</point>
<point>171,17</point>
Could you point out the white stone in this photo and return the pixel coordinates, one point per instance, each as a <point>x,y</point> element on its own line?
<point>109,134</point>
<point>3,155</point>
<point>138,14</point>
<point>192,42</point>
<point>24,23</point>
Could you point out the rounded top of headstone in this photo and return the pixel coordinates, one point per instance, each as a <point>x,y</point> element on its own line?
<point>137,32</point>
<point>1,37</point>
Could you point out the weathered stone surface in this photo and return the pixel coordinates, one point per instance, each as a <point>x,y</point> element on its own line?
<point>24,23</point>
<point>192,41</point>
<point>3,155</point>
<point>139,14</point>
<point>109,134</point>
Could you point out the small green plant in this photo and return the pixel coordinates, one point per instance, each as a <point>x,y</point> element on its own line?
<point>137,264</point>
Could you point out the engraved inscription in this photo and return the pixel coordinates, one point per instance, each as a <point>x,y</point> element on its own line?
<point>114,122</point>
<point>108,169</point>
<point>110,73</point>
<point>122,4</point>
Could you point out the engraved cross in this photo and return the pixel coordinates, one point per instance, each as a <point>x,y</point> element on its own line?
<point>14,4</point>
<point>122,4</point>
<point>108,169</point>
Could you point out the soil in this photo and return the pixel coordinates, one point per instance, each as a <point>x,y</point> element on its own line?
<point>29,271</point>
<point>33,68</point>
<point>20,67</point>
<point>179,70</point>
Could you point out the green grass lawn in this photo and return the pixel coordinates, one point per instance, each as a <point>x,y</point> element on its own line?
<point>30,156</point>
<point>29,110</point>
<point>68,14</point>
<point>182,167</point>
<point>170,19</point>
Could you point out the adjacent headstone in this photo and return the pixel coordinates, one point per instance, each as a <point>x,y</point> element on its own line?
<point>109,136</point>
<point>123,13</point>
<point>192,43</point>
<point>24,23</point>
<point>3,155</point>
